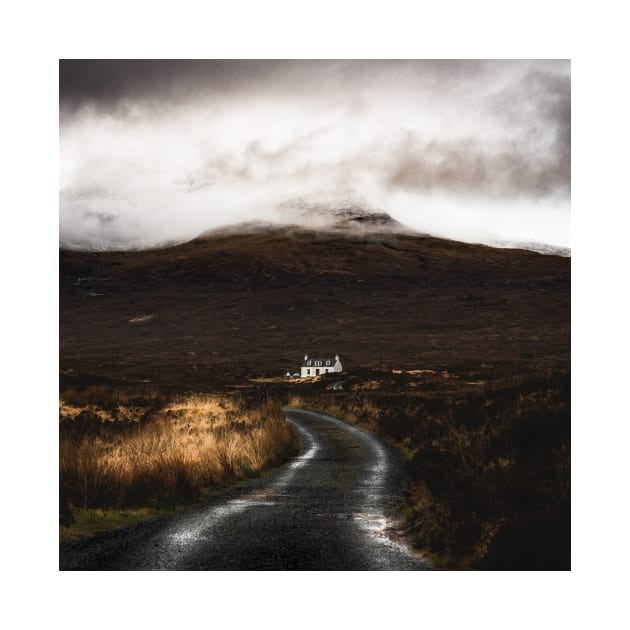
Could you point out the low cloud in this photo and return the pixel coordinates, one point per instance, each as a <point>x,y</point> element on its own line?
<point>468,167</point>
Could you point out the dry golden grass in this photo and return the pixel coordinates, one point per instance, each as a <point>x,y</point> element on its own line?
<point>124,458</point>
<point>296,401</point>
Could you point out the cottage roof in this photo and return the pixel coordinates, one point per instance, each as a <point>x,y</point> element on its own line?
<point>310,362</point>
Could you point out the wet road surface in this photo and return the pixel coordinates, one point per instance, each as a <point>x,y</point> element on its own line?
<point>331,508</point>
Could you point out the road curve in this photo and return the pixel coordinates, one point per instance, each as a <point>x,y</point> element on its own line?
<point>331,508</point>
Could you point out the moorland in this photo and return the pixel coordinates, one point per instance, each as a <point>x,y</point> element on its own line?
<point>457,353</point>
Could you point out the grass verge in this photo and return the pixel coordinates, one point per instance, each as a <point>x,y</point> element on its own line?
<point>89,522</point>
<point>125,457</point>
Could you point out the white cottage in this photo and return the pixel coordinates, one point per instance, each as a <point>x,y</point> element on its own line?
<point>316,366</point>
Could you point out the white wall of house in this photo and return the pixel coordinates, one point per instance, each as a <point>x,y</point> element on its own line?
<point>312,370</point>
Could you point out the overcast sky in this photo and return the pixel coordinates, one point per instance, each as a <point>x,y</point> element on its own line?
<point>154,151</point>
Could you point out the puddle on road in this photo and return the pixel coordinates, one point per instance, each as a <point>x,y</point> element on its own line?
<point>379,528</point>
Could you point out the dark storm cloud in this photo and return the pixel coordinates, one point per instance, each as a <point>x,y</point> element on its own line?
<point>541,105</point>
<point>537,106</point>
<point>107,84</point>
<point>469,167</point>
<point>555,109</point>
<point>165,149</point>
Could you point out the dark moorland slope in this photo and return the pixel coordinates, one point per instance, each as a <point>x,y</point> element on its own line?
<point>228,306</point>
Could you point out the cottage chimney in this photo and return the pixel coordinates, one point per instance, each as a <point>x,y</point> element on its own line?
<point>337,357</point>
<point>305,357</point>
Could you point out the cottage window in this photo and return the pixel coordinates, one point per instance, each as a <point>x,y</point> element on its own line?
<point>308,372</point>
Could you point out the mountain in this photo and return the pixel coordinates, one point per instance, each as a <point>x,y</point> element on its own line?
<point>329,218</point>
<point>331,215</point>
<point>236,304</point>
<point>351,219</point>
<point>338,216</point>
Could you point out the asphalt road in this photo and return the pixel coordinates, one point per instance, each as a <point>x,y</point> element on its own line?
<point>332,508</point>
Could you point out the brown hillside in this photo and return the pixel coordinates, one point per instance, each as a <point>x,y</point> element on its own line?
<point>228,306</point>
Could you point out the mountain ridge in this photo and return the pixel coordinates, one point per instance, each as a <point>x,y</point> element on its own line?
<point>349,219</point>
